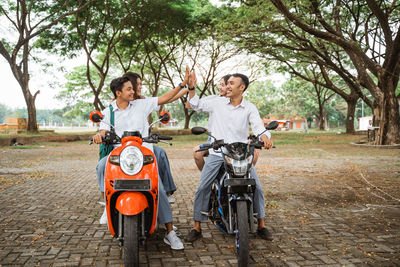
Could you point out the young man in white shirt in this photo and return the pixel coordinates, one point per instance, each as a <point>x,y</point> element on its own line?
<point>164,169</point>
<point>131,115</point>
<point>230,117</point>
<point>198,156</point>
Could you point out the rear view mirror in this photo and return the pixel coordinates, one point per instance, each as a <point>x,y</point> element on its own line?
<point>272,125</point>
<point>96,116</point>
<point>165,117</point>
<point>198,130</point>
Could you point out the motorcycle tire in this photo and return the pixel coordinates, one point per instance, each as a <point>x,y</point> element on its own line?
<point>242,233</point>
<point>131,240</point>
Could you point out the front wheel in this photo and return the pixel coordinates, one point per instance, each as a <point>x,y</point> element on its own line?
<point>242,233</point>
<point>131,240</point>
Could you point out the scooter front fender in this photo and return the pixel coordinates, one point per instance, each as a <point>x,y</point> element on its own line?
<point>131,203</point>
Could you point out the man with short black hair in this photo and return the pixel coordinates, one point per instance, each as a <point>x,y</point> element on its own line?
<point>159,152</point>
<point>131,115</point>
<point>231,116</point>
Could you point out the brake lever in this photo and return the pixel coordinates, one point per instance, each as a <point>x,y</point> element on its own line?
<point>161,141</point>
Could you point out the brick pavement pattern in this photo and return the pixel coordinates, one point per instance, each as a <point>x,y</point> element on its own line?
<point>50,213</point>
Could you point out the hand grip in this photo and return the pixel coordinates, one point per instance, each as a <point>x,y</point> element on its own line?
<point>165,137</point>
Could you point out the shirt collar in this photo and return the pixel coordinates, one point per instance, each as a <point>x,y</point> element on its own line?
<point>115,106</point>
<point>242,104</point>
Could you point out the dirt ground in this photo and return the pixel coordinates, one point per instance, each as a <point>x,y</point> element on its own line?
<point>327,202</point>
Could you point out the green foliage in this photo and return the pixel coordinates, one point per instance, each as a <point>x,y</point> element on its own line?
<point>263,95</point>
<point>78,95</point>
<point>4,110</point>
<point>59,116</point>
<point>297,98</point>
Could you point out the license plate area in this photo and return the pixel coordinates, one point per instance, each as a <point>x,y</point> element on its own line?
<point>239,182</point>
<point>132,184</point>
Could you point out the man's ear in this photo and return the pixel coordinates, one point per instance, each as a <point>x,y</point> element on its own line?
<point>242,87</point>
<point>118,93</point>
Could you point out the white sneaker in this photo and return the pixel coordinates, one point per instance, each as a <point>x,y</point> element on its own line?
<point>173,228</point>
<point>103,218</point>
<point>171,199</point>
<point>174,241</point>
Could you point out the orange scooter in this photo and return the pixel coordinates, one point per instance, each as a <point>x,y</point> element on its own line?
<point>131,187</point>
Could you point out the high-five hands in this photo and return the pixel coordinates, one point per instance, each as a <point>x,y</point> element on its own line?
<point>192,79</point>
<point>187,76</point>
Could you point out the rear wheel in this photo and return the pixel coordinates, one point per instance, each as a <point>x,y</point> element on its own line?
<point>131,240</point>
<point>242,233</point>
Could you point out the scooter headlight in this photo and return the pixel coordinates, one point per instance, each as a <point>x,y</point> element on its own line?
<point>131,160</point>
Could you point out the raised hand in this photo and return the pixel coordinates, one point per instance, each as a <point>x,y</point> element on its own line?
<point>192,79</point>
<point>187,76</point>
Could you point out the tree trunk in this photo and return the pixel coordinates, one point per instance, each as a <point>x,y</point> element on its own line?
<point>188,116</point>
<point>32,123</point>
<point>389,119</point>
<point>23,80</point>
<point>321,118</point>
<point>375,115</point>
<point>97,103</point>
<point>351,109</point>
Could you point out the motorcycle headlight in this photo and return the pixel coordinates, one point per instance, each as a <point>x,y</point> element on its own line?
<point>131,160</point>
<point>239,166</point>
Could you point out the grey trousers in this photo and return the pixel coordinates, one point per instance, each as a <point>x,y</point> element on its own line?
<point>208,175</point>
<point>164,169</point>
<point>164,209</point>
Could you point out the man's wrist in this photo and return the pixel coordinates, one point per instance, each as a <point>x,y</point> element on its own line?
<point>191,88</point>
<point>264,136</point>
<point>182,85</point>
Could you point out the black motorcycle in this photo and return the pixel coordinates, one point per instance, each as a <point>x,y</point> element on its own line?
<point>231,199</point>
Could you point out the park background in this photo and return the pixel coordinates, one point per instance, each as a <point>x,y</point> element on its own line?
<point>324,62</point>
<point>328,202</point>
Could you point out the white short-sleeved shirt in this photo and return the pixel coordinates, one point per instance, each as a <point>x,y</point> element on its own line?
<point>228,122</point>
<point>133,118</point>
<point>194,103</point>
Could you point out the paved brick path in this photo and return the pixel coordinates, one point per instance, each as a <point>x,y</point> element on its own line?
<point>49,217</point>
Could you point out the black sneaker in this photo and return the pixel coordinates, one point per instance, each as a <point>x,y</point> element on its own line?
<point>265,234</point>
<point>193,235</point>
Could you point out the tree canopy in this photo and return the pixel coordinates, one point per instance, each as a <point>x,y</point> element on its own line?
<point>335,52</point>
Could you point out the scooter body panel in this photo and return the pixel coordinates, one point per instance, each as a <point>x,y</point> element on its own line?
<point>117,201</point>
<point>131,203</point>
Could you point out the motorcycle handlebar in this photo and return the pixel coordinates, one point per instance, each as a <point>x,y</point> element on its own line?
<point>165,137</point>
<point>204,147</point>
<point>258,144</point>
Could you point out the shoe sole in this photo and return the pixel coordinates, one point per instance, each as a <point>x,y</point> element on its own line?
<point>193,239</point>
<point>169,244</point>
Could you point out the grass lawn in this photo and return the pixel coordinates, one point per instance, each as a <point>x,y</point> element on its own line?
<point>283,138</point>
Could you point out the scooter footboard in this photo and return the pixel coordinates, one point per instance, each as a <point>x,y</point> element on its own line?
<point>131,203</point>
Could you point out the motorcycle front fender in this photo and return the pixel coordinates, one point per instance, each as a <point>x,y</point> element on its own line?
<point>131,203</point>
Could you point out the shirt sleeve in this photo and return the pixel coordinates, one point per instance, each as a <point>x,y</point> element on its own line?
<point>202,104</point>
<point>194,102</point>
<point>256,123</point>
<point>105,122</point>
<point>149,104</point>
